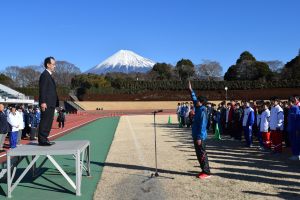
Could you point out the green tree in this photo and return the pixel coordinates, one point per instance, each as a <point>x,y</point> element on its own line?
<point>89,80</point>
<point>246,56</point>
<point>231,74</point>
<point>247,68</point>
<point>161,71</point>
<point>5,80</point>
<point>262,71</point>
<point>291,69</point>
<point>185,69</point>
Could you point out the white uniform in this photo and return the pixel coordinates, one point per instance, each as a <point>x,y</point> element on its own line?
<point>276,118</point>
<point>13,120</point>
<point>21,120</point>
<point>264,121</point>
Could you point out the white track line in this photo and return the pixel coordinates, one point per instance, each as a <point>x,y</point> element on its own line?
<point>136,143</point>
<point>67,130</point>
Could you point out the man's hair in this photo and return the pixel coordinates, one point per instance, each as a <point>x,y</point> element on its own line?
<point>292,99</point>
<point>275,99</point>
<point>202,99</point>
<point>48,61</point>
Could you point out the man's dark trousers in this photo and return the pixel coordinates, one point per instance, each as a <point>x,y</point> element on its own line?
<point>45,124</point>
<point>202,156</point>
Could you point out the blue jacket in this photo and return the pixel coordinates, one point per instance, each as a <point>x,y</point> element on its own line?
<point>293,119</point>
<point>34,119</point>
<point>298,121</point>
<point>200,120</point>
<point>251,117</point>
<point>217,117</point>
<point>182,110</point>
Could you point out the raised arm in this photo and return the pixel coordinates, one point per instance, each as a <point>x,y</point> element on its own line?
<point>193,94</point>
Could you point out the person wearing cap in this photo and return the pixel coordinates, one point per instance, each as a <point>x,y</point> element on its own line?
<point>14,122</point>
<point>276,125</point>
<point>293,127</point>
<point>4,128</point>
<point>48,101</point>
<point>199,133</point>
<point>248,121</point>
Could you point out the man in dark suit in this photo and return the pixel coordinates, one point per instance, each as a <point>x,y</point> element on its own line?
<point>48,101</point>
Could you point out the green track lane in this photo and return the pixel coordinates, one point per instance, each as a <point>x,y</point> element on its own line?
<point>51,184</point>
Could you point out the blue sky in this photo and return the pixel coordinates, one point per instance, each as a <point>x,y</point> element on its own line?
<point>85,32</point>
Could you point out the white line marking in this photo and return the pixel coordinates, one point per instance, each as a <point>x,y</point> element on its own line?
<point>136,143</point>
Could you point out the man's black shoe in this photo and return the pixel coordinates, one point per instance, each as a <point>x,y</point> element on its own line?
<point>46,143</point>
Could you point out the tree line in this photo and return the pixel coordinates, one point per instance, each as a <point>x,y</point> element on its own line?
<point>246,73</point>
<point>28,76</point>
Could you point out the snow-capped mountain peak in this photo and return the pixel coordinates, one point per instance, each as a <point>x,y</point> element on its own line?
<point>123,61</point>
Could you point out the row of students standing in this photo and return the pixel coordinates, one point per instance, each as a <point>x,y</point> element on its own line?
<point>273,122</point>
<point>284,126</point>
<point>185,113</point>
<point>18,122</point>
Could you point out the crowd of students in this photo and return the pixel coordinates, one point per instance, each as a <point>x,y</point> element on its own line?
<point>273,122</point>
<point>18,122</point>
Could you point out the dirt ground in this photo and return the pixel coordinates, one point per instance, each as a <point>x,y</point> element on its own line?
<point>237,172</point>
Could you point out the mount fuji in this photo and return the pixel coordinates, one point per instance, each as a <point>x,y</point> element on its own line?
<point>123,61</point>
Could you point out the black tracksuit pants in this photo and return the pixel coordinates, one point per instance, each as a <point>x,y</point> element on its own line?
<point>202,156</point>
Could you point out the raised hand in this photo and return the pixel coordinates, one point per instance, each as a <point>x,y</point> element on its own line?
<point>190,86</point>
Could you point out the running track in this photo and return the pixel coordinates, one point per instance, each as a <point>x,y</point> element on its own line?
<point>74,121</point>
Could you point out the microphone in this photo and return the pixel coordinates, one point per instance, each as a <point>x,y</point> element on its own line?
<point>157,111</point>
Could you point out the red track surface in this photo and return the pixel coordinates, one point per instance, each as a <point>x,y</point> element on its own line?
<point>74,121</point>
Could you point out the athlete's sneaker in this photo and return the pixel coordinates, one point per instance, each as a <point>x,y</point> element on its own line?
<point>202,175</point>
<point>198,176</point>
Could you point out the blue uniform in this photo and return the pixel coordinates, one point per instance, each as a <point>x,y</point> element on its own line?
<point>34,119</point>
<point>248,121</point>
<point>294,129</point>
<point>200,120</point>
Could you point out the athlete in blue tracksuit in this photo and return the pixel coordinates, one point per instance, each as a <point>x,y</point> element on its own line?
<point>248,121</point>
<point>294,128</point>
<point>199,133</point>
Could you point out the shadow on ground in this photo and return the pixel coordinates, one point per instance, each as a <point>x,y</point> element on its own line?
<point>241,163</point>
